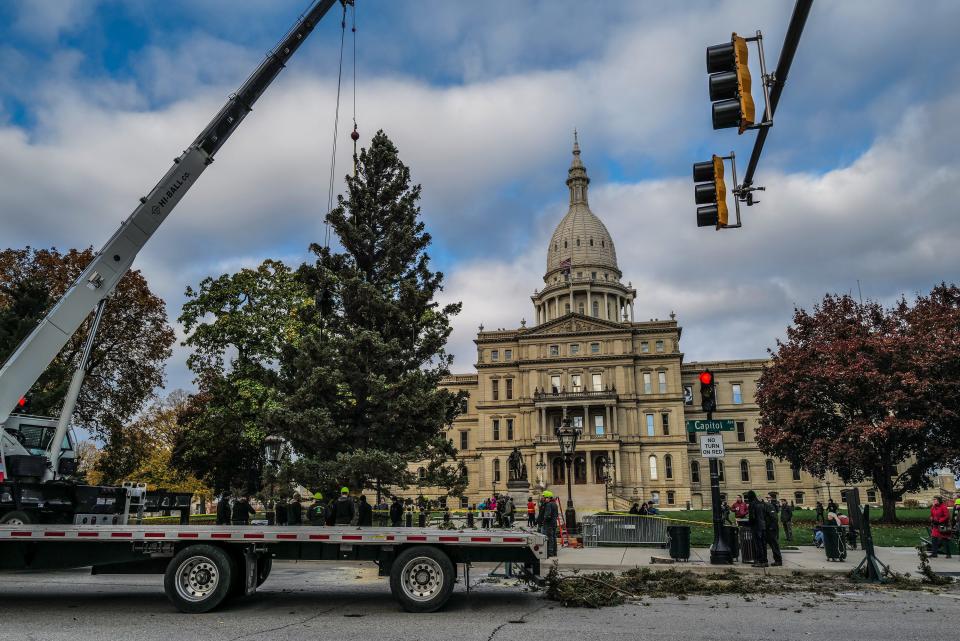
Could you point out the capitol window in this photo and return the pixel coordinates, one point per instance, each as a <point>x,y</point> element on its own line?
<point>596,309</point>
<point>594,348</point>
<point>509,429</point>
<point>650,431</point>
<point>591,244</point>
<point>494,355</point>
<point>662,382</point>
<point>647,386</point>
<point>653,467</point>
<point>575,384</point>
<point>644,347</point>
<point>597,385</point>
<point>737,395</point>
<point>593,275</point>
<point>555,384</point>
<point>578,242</point>
<point>659,347</point>
<point>508,354</point>
<point>554,350</point>
<point>574,348</point>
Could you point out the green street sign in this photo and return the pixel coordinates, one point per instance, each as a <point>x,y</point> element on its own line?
<point>710,427</point>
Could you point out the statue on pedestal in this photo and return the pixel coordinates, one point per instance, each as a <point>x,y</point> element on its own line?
<point>518,470</point>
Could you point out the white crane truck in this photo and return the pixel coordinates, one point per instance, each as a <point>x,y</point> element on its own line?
<point>203,565</point>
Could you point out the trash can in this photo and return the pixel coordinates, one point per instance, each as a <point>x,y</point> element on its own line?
<point>747,553</point>
<point>831,542</point>
<point>731,538</point>
<point>678,540</point>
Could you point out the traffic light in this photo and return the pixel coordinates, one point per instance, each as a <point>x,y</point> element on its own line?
<point>730,85</point>
<point>711,192</point>
<point>708,392</point>
<point>23,406</point>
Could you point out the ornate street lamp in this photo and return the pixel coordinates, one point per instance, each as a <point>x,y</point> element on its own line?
<point>567,436</point>
<point>271,449</point>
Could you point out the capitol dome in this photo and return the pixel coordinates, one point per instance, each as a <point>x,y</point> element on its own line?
<point>581,238</point>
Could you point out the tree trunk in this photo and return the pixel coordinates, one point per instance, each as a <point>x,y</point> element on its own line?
<point>889,507</point>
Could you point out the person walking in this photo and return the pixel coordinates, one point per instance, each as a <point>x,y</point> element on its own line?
<point>939,527</point>
<point>531,512</point>
<point>756,516</point>
<point>343,508</point>
<point>820,514</point>
<point>364,513</point>
<point>548,522</point>
<point>396,512</point>
<point>786,517</point>
<point>772,535</point>
<point>223,509</point>
<point>295,511</point>
<point>242,511</point>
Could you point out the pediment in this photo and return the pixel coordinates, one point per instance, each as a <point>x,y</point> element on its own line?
<point>574,324</point>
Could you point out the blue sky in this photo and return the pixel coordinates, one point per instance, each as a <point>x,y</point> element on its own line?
<point>96,97</point>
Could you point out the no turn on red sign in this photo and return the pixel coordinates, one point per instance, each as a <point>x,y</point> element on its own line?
<point>711,445</point>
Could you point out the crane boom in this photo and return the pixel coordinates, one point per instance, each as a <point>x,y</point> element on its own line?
<point>100,278</point>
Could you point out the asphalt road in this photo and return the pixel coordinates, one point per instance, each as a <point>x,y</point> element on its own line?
<point>342,601</point>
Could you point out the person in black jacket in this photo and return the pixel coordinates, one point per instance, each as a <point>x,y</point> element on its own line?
<point>242,511</point>
<point>343,509</point>
<point>548,522</point>
<point>396,512</point>
<point>757,519</point>
<point>364,513</point>
<point>786,517</point>
<point>772,535</point>
<point>295,512</point>
<point>280,513</point>
<point>223,509</point>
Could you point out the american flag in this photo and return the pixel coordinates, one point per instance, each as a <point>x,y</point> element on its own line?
<point>565,265</point>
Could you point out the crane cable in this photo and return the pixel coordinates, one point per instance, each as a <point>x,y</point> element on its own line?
<point>336,123</point>
<point>354,135</point>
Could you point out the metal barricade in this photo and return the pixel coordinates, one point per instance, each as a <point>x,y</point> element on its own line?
<point>623,530</point>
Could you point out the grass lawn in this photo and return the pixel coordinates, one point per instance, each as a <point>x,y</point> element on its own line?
<point>906,533</point>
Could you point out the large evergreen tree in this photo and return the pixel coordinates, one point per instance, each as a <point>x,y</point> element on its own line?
<point>361,382</point>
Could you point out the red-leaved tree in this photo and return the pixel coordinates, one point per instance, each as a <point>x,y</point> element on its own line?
<point>867,392</point>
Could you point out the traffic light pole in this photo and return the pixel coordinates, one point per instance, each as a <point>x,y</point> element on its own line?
<point>720,552</point>
<point>797,21</point>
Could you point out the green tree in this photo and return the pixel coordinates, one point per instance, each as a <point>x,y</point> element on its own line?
<point>236,325</point>
<point>867,392</point>
<point>362,399</point>
<point>133,341</point>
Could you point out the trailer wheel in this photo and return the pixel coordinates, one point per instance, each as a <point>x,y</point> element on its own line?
<point>264,565</point>
<point>16,517</point>
<point>422,579</point>
<point>198,578</point>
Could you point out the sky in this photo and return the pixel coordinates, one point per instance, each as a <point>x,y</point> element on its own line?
<point>861,172</point>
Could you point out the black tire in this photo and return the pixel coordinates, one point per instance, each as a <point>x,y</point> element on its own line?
<point>16,517</point>
<point>422,578</point>
<point>199,578</point>
<point>264,566</point>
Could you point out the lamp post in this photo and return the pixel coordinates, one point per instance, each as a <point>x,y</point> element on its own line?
<point>567,436</point>
<point>271,453</point>
<point>541,469</point>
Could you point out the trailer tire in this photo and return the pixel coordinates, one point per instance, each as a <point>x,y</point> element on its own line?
<point>422,578</point>
<point>198,578</point>
<point>16,517</point>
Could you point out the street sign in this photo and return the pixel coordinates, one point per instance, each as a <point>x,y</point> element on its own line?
<point>711,446</point>
<point>710,427</point>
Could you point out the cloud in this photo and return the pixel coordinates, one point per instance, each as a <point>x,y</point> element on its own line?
<point>47,19</point>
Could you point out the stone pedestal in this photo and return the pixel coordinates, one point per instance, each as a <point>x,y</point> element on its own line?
<point>519,490</point>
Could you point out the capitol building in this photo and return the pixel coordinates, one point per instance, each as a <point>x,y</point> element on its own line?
<point>625,383</point>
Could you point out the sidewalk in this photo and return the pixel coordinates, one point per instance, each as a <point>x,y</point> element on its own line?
<point>807,559</point>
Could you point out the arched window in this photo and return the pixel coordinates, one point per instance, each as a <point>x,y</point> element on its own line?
<point>496,470</point>
<point>603,243</point>
<point>694,472</point>
<point>591,242</point>
<point>596,309</point>
<point>421,473</point>
<point>580,470</point>
<point>744,471</point>
<point>796,471</point>
<point>720,471</point>
<point>771,472</point>
<point>559,470</point>
<point>653,467</point>
<point>578,242</point>
<point>564,244</point>
<point>668,466</point>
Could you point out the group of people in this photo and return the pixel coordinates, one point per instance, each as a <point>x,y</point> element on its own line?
<point>343,510</point>
<point>647,508</point>
<point>500,509</point>
<point>943,525</point>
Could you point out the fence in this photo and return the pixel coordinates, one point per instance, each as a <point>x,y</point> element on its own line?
<point>623,530</point>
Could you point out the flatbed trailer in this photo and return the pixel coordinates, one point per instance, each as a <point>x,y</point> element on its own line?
<point>205,565</point>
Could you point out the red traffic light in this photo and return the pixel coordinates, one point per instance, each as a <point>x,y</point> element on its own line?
<point>706,378</point>
<point>22,402</point>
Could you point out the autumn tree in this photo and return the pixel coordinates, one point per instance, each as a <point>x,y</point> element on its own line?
<point>867,392</point>
<point>236,325</point>
<point>361,383</point>
<point>133,340</point>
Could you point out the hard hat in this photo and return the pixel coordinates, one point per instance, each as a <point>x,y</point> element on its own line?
<point>548,494</point>
<point>318,495</point>
<point>344,490</point>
